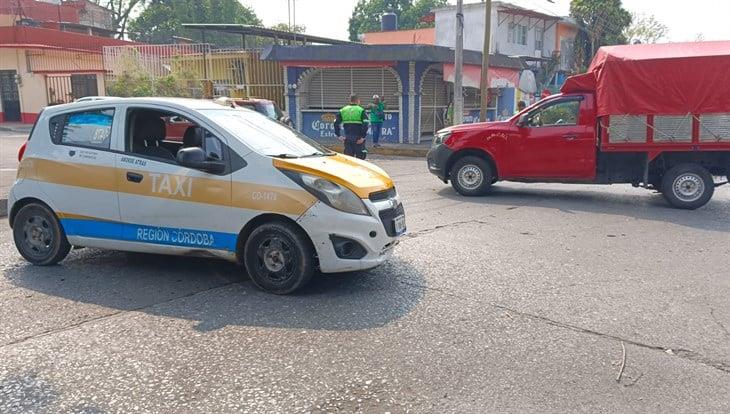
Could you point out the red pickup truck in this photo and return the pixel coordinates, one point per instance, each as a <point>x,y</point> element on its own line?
<point>656,116</point>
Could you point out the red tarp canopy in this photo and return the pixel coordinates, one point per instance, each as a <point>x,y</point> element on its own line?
<point>661,79</point>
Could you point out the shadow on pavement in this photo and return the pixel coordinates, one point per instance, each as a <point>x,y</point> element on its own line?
<point>715,216</point>
<point>218,294</point>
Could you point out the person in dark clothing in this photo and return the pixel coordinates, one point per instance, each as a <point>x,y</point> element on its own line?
<point>354,122</point>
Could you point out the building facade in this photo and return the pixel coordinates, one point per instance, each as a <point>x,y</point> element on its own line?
<point>410,79</point>
<point>40,64</point>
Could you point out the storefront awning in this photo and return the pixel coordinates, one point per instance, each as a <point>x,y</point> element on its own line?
<point>498,77</point>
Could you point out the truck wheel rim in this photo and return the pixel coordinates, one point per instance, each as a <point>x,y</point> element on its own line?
<point>37,236</point>
<point>689,187</point>
<point>470,177</point>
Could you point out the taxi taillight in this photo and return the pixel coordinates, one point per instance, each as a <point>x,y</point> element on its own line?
<point>21,151</point>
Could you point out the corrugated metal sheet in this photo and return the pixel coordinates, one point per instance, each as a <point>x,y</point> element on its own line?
<point>331,88</point>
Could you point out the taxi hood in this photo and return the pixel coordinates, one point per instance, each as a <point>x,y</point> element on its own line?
<point>361,177</point>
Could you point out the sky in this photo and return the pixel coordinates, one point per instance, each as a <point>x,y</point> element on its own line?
<point>685,19</point>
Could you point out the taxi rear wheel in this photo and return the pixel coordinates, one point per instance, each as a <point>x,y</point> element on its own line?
<point>38,235</point>
<point>279,258</point>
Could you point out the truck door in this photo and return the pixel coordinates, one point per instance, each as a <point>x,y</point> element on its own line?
<point>556,141</point>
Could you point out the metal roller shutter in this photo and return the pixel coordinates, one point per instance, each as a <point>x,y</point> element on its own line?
<point>331,88</point>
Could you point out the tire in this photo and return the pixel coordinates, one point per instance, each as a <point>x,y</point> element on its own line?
<point>38,235</point>
<point>471,176</point>
<point>279,258</point>
<point>688,186</point>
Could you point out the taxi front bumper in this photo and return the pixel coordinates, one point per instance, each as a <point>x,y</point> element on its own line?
<point>370,240</point>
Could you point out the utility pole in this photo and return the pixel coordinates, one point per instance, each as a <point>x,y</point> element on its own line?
<point>459,65</point>
<point>484,84</point>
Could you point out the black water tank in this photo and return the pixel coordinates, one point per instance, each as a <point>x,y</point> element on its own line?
<point>389,22</point>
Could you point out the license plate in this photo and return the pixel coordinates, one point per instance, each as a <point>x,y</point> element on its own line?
<point>400,224</point>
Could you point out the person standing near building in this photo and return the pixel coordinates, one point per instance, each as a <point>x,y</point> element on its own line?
<point>377,116</point>
<point>353,119</point>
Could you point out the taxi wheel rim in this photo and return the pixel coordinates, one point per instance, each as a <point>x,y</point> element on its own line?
<point>470,177</point>
<point>37,236</point>
<point>689,187</point>
<point>276,259</point>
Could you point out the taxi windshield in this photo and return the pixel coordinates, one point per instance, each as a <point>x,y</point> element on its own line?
<point>264,135</point>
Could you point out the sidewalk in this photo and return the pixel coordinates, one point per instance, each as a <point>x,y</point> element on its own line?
<point>403,150</point>
<point>16,128</point>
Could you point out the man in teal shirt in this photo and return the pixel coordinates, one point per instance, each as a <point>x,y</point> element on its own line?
<point>377,116</point>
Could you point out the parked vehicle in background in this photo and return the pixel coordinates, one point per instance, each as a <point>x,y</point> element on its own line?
<point>265,107</point>
<point>655,116</point>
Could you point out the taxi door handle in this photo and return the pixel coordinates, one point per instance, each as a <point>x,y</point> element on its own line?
<point>570,137</point>
<point>134,177</point>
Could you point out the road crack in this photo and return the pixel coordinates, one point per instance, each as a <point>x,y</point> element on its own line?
<point>678,352</point>
<point>430,230</point>
<point>109,315</point>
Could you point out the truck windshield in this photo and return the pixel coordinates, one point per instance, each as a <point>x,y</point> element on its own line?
<point>265,135</point>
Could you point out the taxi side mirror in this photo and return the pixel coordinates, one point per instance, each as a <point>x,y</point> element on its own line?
<point>194,157</point>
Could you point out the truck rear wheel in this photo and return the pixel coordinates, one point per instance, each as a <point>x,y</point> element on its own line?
<point>471,176</point>
<point>688,186</point>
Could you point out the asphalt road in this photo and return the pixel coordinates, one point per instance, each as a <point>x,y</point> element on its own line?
<point>521,301</point>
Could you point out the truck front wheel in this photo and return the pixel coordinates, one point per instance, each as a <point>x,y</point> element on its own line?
<point>471,176</point>
<point>688,186</point>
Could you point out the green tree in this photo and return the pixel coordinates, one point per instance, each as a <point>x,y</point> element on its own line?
<point>163,19</point>
<point>601,23</point>
<point>366,15</point>
<point>645,29</point>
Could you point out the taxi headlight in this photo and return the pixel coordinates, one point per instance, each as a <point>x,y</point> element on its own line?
<point>332,194</point>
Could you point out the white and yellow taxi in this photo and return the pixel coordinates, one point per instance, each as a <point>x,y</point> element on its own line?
<point>237,186</point>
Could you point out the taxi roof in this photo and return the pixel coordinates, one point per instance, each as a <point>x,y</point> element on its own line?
<point>176,103</point>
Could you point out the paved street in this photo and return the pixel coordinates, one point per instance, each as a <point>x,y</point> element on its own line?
<point>519,301</point>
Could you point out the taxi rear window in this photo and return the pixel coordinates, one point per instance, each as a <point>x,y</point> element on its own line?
<point>86,129</point>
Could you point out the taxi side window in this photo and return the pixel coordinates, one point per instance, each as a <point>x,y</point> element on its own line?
<point>91,129</point>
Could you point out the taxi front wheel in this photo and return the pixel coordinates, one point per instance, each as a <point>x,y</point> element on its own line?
<point>279,258</point>
<point>38,235</point>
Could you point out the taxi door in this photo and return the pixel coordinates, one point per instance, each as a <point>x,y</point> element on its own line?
<point>165,204</point>
<point>78,175</point>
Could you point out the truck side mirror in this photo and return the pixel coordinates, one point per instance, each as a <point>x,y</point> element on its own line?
<point>522,121</point>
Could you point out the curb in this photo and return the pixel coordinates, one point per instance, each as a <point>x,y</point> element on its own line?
<point>401,152</point>
<point>3,207</point>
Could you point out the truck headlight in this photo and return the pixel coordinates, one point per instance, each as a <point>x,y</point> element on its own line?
<point>440,137</point>
<point>332,194</point>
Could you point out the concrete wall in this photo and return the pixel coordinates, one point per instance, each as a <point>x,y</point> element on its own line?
<point>32,89</point>
<point>474,31</point>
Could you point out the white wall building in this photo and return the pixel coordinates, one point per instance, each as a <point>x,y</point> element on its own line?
<point>516,31</point>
